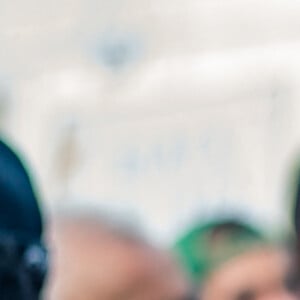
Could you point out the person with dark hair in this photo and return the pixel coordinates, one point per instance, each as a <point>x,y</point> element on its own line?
<point>230,260</point>
<point>23,258</point>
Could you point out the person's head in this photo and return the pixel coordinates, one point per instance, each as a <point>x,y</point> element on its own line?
<point>229,260</point>
<point>96,261</point>
<point>23,259</point>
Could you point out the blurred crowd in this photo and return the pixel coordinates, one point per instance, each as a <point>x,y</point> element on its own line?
<point>86,255</point>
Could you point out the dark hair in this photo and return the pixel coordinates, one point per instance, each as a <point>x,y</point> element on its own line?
<point>23,258</point>
<point>297,204</point>
<point>22,269</point>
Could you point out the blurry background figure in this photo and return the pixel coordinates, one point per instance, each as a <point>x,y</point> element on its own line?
<point>294,190</point>
<point>97,259</point>
<point>23,259</point>
<point>229,260</point>
<point>295,187</point>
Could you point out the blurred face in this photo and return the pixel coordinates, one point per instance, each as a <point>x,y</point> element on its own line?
<point>258,275</point>
<point>90,264</point>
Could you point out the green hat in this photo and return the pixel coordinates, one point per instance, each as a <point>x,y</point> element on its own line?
<point>207,246</point>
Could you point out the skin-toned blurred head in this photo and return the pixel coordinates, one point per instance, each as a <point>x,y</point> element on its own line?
<point>92,262</point>
<point>259,274</point>
<point>229,260</point>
